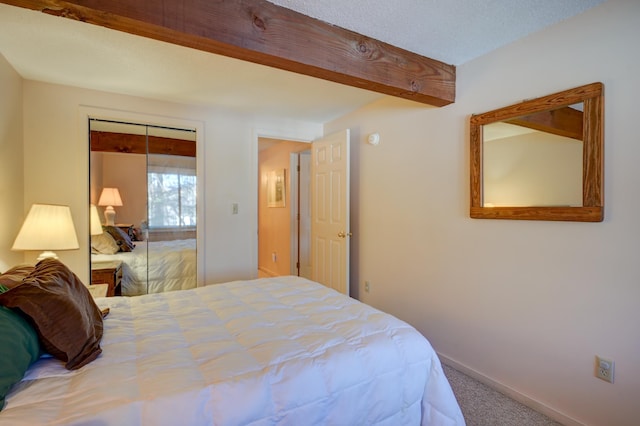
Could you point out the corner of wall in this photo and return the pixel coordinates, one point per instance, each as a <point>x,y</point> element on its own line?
<point>11,163</point>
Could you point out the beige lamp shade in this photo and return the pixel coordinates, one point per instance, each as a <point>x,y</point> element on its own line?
<point>47,227</point>
<point>110,197</point>
<point>96,226</point>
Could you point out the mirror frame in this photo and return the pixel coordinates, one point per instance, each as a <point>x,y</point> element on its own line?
<point>592,209</point>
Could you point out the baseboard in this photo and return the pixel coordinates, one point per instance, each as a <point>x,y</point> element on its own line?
<point>511,393</point>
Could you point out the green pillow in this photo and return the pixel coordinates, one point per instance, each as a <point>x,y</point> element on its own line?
<point>19,348</point>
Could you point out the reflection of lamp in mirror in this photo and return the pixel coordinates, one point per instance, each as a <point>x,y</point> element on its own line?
<point>47,227</point>
<point>110,197</point>
<point>96,226</point>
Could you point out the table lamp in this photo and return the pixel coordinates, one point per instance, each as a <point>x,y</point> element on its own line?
<point>110,197</point>
<point>94,220</point>
<point>47,227</point>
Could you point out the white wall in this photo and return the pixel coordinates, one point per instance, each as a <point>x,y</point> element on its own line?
<point>526,304</point>
<point>56,150</point>
<point>12,209</point>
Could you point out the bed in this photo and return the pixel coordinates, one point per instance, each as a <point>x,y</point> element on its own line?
<point>155,267</point>
<point>283,351</point>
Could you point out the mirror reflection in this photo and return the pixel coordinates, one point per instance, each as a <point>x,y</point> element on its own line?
<point>143,194</point>
<point>534,160</point>
<point>541,159</point>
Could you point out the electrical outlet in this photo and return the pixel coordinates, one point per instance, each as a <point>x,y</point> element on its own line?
<point>604,369</point>
<point>366,286</point>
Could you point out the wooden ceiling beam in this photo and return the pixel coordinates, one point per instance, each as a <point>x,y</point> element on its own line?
<point>261,32</point>
<point>564,121</point>
<point>141,144</point>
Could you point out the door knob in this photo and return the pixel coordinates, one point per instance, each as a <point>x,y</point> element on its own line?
<point>342,234</point>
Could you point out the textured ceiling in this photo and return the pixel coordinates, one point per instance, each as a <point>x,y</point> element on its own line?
<point>451,31</point>
<point>57,50</point>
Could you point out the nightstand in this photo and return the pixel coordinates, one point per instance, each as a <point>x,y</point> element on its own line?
<point>109,273</point>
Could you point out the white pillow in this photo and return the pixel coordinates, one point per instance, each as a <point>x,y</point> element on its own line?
<point>103,244</point>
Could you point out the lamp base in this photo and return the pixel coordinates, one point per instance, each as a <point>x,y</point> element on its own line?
<point>110,216</point>
<point>47,255</point>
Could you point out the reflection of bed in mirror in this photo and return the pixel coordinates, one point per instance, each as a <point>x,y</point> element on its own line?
<point>155,266</point>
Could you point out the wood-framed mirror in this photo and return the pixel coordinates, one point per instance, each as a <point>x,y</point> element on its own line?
<point>541,159</point>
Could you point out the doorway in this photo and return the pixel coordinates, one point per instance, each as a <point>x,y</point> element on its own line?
<point>283,208</point>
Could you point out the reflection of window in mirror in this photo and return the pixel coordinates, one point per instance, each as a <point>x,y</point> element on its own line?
<point>171,184</point>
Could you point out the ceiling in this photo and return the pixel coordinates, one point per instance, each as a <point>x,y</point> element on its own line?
<point>451,31</point>
<point>61,51</point>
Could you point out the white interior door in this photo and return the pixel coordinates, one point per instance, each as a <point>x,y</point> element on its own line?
<point>330,211</point>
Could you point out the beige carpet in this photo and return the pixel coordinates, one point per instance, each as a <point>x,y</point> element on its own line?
<point>484,406</point>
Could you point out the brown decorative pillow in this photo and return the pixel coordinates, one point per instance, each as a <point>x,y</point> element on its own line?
<point>122,238</point>
<point>15,275</point>
<point>67,320</point>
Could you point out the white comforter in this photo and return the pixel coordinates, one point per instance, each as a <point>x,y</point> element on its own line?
<point>283,351</point>
<point>165,265</point>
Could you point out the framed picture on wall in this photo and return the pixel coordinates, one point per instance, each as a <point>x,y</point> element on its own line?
<point>276,189</point>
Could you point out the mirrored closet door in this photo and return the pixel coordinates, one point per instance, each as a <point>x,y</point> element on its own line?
<point>143,207</point>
